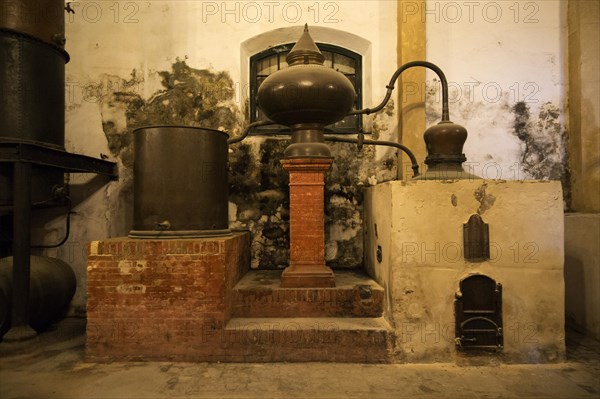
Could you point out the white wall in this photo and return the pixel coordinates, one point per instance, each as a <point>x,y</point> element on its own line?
<point>496,54</point>
<point>149,36</point>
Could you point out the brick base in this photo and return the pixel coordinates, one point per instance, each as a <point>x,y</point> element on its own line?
<point>307,219</point>
<point>177,300</point>
<point>259,295</point>
<point>161,299</point>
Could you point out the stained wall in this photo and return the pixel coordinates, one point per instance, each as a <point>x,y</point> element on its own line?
<point>417,252</point>
<point>186,62</point>
<point>582,223</point>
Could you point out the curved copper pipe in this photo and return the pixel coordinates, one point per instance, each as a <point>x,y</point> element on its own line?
<point>390,88</point>
<point>360,141</point>
<point>246,131</point>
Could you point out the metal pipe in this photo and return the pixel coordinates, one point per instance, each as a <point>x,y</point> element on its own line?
<point>67,229</point>
<point>390,88</point>
<point>247,130</point>
<point>360,141</point>
<point>21,258</point>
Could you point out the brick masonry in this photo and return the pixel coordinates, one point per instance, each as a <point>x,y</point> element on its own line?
<point>258,294</point>
<point>161,299</point>
<point>174,300</point>
<point>307,224</point>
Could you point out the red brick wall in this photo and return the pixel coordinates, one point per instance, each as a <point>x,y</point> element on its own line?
<point>307,210</point>
<point>173,300</point>
<point>161,299</point>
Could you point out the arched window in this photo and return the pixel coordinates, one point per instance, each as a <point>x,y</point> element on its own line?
<point>343,60</point>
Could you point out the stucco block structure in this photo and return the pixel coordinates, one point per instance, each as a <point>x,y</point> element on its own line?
<point>414,249</point>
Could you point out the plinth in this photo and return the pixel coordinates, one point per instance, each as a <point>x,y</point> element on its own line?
<point>307,224</point>
<point>162,299</point>
<point>425,263</point>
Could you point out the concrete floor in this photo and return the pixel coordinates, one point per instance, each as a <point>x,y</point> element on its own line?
<point>55,368</point>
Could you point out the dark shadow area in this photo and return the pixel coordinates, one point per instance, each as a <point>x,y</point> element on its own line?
<point>581,348</point>
<point>574,294</point>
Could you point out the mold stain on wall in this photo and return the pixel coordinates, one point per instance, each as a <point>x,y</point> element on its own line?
<point>541,133</point>
<point>259,194</point>
<point>343,206</point>
<point>259,190</point>
<point>190,97</point>
<point>544,154</point>
<point>486,201</point>
<point>352,170</point>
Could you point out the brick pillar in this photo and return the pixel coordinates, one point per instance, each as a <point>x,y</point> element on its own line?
<point>307,219</point>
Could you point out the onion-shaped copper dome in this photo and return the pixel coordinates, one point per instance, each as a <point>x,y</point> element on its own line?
<point>306,96</point>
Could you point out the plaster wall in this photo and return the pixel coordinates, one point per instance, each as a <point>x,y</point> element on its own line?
<point>582,229</point>
<point>505,63</point>
<point>584,104</point>
<point>418,226</point>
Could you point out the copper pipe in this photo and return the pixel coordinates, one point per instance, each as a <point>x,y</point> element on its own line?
<point>390,89</point>
<point>360,141</point>
<point>247,130</point>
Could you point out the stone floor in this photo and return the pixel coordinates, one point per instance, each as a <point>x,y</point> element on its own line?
<point>55,368</point>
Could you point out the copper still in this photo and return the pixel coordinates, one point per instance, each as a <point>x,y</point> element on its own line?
<point>306,96</point>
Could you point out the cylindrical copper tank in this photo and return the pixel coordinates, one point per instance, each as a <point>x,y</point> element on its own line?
<point>52,287</point>
<point>180,182</point>
<point>32,83</point>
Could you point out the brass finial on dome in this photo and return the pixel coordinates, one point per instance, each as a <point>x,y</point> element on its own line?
<point>305,51</point>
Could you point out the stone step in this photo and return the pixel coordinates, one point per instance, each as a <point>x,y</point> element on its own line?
<point>308,339</point>
<point>258,294</point>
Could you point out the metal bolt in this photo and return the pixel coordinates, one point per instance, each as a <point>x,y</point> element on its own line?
<point>164,225</point>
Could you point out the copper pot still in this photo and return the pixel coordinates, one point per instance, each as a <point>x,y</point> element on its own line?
<point>306,96</point>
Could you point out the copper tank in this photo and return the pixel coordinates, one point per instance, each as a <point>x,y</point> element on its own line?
<point>180,182</point>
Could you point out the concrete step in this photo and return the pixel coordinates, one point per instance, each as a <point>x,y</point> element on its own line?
<point>308,339</point>
<point>258,294</point>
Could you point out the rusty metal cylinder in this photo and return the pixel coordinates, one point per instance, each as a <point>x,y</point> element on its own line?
<point>180,183</point>
<point>52,286</point>
<point>32,83</point>
<point>42,19</point>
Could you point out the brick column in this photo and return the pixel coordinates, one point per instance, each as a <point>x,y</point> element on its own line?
<point>307,219</point>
